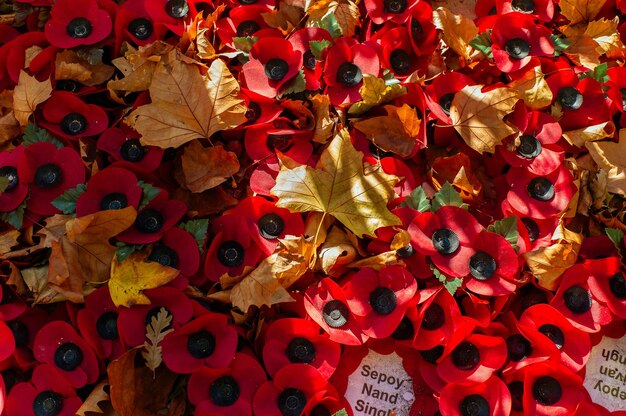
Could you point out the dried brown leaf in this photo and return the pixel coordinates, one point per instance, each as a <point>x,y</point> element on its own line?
<point>28,94</point>
<point>458,30</point>
<point>156,330</point>
<point>205,168</point>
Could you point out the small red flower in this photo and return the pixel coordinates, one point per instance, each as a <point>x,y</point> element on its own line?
<point>397,11</point>
<point>24,329</point>
<point>98,324</point>
<point>230,390</point>
<point>49,172</point>
<point>69,117</point>
<point>311,66</point>
<point>607,284</point>
<point>298,341</point>
<point>242,21</point>
<point>111,188</point>
<point>13,58</point>
<point>438,319</point>
<point>133,23</point>
<point>177,249</point>
<point>474,359</point>
<point>76,22</point>
<point>538,9</point>
<point>440,93</point>
<point>489,398</point>
<point>398,54</point>
<point>11,306</point>
<point>16,189</point>
<point>263,141</point>
<point>422,31</point>
<point>493,264</point>
<point>7,343</point>
<point>59,345</point>
<point>260,109</point>
<point>174,14</point>
<point>123,145</point>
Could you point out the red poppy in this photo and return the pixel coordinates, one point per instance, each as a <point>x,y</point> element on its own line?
<point>49,172</point>
<point>474,359</point>
<point>174,14</point>
<point>446,236</point>
<point>242,21</point>
<point>607,284</point>
<point>133,23</point>
<point>534,232</point>
<point>346,63</point>
<point>132,322</point>
<point>312,67</point>
<point>177,249</point>
<point>68,116</point>
<point>59,345</point>
<point>260,109</point>
<point>231,389</point>
<point>437,321</point>
<point>11,305</point>
<point>489,398</point>
<point>76,22</point>
<point>16,189</point>
<point>263,141</point>
<point>422,31</point>
<point>13,58</point>
<point>538,196</point>
<point>7,345</point>
<point>47,393</point>
<point>24,329</point>
<point>328,306</point>
<point>538,9</point>
<point>111,188</point>
<point>397,11</point>
<point>493,264</point>
<point>98,324</point>
<point>398,54</point>
<point>440,93</point>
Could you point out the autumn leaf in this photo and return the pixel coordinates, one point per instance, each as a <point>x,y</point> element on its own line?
<point>533,88</point>
<point>336,252</point>
<point>577,11</point>
<point>133,275</point>
<point>479,116</point>
<point>374,92</point>
<point>338,187</point>
<point>458,30</point>
<point>8,240</point>
<point>590,134</point>
<point>324,123</point>
<point>9,126</point>
<point>284,18</point>
<point>465,8</point>
<point>589,42</point>
<point>156,330</point>
<point>69,65</point>
<point>28,94</point>
<point>205,168</point>
<point>97,398</point>
<point>41,291</point>
<point>345,13</point>
<point>395,132</point>
<point>187,105</point>
<point>611,157</point>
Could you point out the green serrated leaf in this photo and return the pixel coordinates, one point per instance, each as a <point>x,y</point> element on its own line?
<point>330,24</point>
<point>447,195</point>
<point>599,73</point>
<point>451,285</point>
<point>507,228</point>
<point>616,236</point>
<point>148,193</point>
<point>418,200</point>
<point>124,250</point>
<point>198,229</point>
<point>66,202</point>
<point>342,412</point>
<point>244,44</point>
<point>560,44</point>
<point>34,134</point>
<point>14,218</point>
<point>317,48</point>
<point>295,85</point>
<point>482,43</point>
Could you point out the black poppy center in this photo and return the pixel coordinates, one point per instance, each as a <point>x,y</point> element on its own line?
<point>291,402</point>
<point>395,6</point>
<point>177,8</point>
<point>20,333</point>
<point>404,331</point>
<point>280,142</point>
<point>383,300</point>
<point>253,112</point>
<point>230,254</point>
<point>73,124</point>
<point>400,61</point>
<point>301,350</point>
<point>541,189</point>
<point>224,391</point>
<point>201,344</point>
<point>570,98</point>
<point>529,147</point>
<point>547,390</point>
<point>532,228</point>
<point>518,347</point>
<point>68,356</point>
<point>335,313</point>
<point>482,266</point>
<point>48,403</point>
<point>349,74</point>
<point>475,405</point>
<point>465,356</point>
<point>623,93</point>
<point>48,176</point>
<point>433,354</point>
<point>416,29</point>
<point>164,256</point>
<point>247,28</point>
<point>445,241</point>
<point>113,200</point>
<point>434,317</point>
<point>446,102</point>
<point>140,28</point>
<point>309,60</point>
<point>106,325</point>
<point>67,85</point>
<point>554,333</point>
<point>523,6</point>
<point>149,221</point>
<point>405,251</point>
<point>11,377</point>
<point>271,226</point>
<point>577,299</point>
<point>10,174</point>
<point>516,389</point>
<point>132,150</point>
<point>517,48</point>
<point>276,69</point>
<point>617,285</point>
<point>79,28</point>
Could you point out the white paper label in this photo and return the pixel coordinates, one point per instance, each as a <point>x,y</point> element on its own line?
<point>605,378</point>
<point>380,387</point>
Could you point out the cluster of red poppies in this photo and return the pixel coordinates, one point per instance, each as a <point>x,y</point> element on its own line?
<point>477,333</point>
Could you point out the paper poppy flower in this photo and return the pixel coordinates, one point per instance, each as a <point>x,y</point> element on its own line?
<point>440,93</point>
<point>7,345</point>
<point>242,21</point>
<point>209,340</point>
<point>346,63</point>
<point>295,340</point>
<point>617,88</point>
<point>132,321</point>
<point>422,31</point>
<point>380,298</point>
<point>75,22</point>
<point>24,328</point>
<point>398,54</point>
<point>110,188</point>
<point>13,58</point>
<point>59,345</point>
<point>438,318</point>
<point>11,306</point>
<point>538,196</point>
<point>154,220</point>
<point>98,324</point>
<point>328,306</point>
<point>263,141</point>
<point>493,264</point>
<point>312,68</point>
<point>259,109</point>
<point>49,172</point>
<point>123,145</point>
<point>490,397</point>
<point>16,189</point>
<point>69,117</point>
<point>538,9</point>
<point>177,249</point>
<point>446,236</point>
<point>474,359</point>
<point>133,23</point>
<point>46,394</point>
<point>230,390</point>
<point>273,63</point>
<point>397,11</point>
<point>607,284</point>
<point>575,301</point>
<point>173,14</point>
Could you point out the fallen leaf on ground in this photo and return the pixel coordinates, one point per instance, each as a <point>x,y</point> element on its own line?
<point>28,94</point>
<point>205,168</point>
<point>611,156</point>
<point>396,132</point>
<point>458,30</point>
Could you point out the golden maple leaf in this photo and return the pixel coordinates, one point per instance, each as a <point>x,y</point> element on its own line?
<point>206,168</point>
<point>533,88</point>
<point>479,116</point>
<point>611,157</point>
<point>458,30</point>
<point>28,94</point>
<point>577,11</point>
<point>338,187</point>
<point>374,92</point>
<point>590,41</point>
<point>346,12</point>
<point>187,105</point>
<point>590,133</point>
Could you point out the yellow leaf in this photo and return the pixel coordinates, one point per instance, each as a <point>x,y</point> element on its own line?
<point>324,124</point>
<point>130,277</point>
<point>533,88</point>
<point>611,157</point>
<point>28,94</point>
<point>339,187</point>
<point>336,252</point>
<point>577,11</point>
<point>187,105</point>
<point>465,8</point>
<point>374,92</point>
<point>605,33</point>
<point>396,132</point>
<point>590,134</point>
<point>345,11</point>
<point>206,168</point>
<point>458,30</point>
<point>479,117</point>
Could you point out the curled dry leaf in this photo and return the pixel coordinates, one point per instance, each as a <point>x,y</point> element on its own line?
<point>577,11</point>
<point>374,92</point>
<point>336,252</point>
<point>96,402</point>
<point>8,240</point>
<point>28,94</point>
<point>458,30</point>
<point>69,65</point>
<point>590,134</point>
<point>346,12</point>
<point>611,157</point>
<point>205,168</point>
<point>42,292</point>
<point>285,17</point>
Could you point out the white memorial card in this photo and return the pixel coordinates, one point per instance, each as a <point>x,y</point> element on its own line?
<point>605,377</point>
